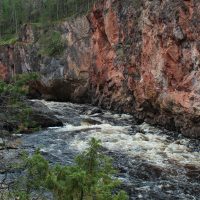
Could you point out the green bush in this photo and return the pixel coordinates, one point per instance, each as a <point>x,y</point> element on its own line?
<point>52,44</point>
<point>12,99</point>
<point>18,86</point>
<point>8,40</point>
<point>90,178</point>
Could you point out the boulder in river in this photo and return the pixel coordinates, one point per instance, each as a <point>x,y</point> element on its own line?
<point>39,116</point>
<point>43,116</point>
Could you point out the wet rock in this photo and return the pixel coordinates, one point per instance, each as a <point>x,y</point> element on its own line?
<point>89,121</point>
<point>150,166</point>
<point>147,128</point>
<point>4,133</point>
<point>42,115</point>
<point>2,143</point>
<point>93,111</point>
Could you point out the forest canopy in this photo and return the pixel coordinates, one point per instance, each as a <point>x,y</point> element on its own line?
<point>14,13</point>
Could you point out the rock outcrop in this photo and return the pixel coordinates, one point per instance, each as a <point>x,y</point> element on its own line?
<point>136,56</point>
<point>64,76</point>
<point>12,118</point>
<point>147,59</point>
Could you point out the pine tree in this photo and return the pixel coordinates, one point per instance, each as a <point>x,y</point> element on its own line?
<point>90,178</point>
<point>14,13</point>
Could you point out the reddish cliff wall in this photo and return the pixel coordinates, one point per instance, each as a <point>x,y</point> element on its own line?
<point>147,59</point>
<point>3,71</point>
<point>136,56</point>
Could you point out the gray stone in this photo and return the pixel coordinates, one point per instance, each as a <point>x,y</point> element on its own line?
<point>1,142</point>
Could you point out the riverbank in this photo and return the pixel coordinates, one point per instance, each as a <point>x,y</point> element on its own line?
<point>143,59</point>
<point>153,163</point>
<point>37,115</point>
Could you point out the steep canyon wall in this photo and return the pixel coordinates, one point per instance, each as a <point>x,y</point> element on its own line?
<point>147,59</point>
<point>64,76</point>
<point>135,56</point>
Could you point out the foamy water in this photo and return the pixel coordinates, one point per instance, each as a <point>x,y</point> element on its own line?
<point>153,165</point>
<point>154,148</point>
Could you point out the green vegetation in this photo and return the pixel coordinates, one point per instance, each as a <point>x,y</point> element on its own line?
<point>12,99</point>
<point>14,13</point>
<point>51,43</point>
<point>9,39</point>
<point>90,178</point>
<point>17,88</point>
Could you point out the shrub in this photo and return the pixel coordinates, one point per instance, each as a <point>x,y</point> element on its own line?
<point>12,99</point>
<point>52,44</point>
<point>18,86</point>
<point>91,177</point>
<point>8,40</point>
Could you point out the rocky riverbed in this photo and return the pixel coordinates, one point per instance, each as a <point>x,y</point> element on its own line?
<point>153,163</point>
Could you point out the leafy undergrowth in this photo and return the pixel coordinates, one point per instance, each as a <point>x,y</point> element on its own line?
<point>14,109</point>
<point>52,44</point>
<point>90,178</point>
<point>8,40</point>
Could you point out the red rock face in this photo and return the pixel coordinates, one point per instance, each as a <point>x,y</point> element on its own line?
<point>3,71</point>
<point>106,77</point>
<point>7,68</point>
<point>147,59</point>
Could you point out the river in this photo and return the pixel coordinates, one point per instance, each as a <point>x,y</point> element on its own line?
<point>153,163</point>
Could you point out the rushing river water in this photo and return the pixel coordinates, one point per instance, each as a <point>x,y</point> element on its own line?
<point>153,163</point>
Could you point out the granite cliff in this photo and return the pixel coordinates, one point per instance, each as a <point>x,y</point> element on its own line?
<point>135,56</point>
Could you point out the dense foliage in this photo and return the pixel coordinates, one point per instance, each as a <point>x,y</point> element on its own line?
<point>17,87</point>
<point>12,99</point>
<point>90,178</point>
<point>51,43</point>
<point>14,13</point>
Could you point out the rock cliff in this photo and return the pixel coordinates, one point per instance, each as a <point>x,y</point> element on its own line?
<point>64,77</point>
<point>147,59</point>
<point>136,56</point>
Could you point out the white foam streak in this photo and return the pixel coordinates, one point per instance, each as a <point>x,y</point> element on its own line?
<point>154,148</point>
<point>148,144</point>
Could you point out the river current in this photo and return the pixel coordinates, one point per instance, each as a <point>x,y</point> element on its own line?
<point>153,163</point>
